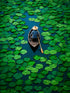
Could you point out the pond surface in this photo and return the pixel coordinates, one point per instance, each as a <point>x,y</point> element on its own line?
<point>21,69</point>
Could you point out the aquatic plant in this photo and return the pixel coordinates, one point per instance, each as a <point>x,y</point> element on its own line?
<point>23,51</point>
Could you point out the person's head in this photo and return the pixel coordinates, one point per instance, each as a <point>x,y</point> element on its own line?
<point>35,28</point>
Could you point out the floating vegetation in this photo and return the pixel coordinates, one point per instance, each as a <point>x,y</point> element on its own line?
<point>23,51</point>
<point>21,69</point>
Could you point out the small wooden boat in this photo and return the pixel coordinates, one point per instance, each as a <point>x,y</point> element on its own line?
<point>34,44</point>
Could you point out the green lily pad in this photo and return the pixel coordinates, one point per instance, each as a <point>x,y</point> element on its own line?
<point>36,57</point>
<point>46,52</point>
<point>49,62</point>
<point>34,70</point>
<point>28,82</point>
<point>26,59</point>
<point>31,63</point>
<point>58,79</point>
<point>19,61</point>
<point>40,75</point>
<point>28,88</point>
<point>18,14</point>
<point>23,51</point>
<point>34,75</point>
<point>38,80</point>
<point>25,27</point>
<point>45,33</point>
<point>68,74</point>
<point>45,41</point>
<point>54,82</point>
<point>17,56</point>
<point>24,42</point>
<point>44,72</point>
<point>48,68</point>
<point>43,59</point>
<point>38,88</point>
<point>18,75</point>
<point>26,72</point>
<point>21,37</point>
<point>12,84</point>
<point>16,52</point>
<point>46,82</point>
<point>45,29</point>
<point>18,48</point>
<point>53,52</point>
<point>19,82</point>
<point>39,66</point>
<point>62,69</point>
<point>47,37</point>
<point>53,65</point>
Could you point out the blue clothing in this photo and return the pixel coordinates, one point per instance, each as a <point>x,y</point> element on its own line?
<point>34,34</point>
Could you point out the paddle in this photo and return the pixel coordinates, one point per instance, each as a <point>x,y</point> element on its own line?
<point>40,45</point>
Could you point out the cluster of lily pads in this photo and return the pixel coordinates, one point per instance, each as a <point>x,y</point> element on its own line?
<point>48,73</point>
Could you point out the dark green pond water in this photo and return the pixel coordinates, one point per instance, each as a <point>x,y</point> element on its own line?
<point>21,69</point>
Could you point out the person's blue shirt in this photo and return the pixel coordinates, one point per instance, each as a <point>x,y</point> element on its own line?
<point>34,34</point>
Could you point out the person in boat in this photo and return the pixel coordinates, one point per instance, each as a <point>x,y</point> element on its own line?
<point>34,34</point>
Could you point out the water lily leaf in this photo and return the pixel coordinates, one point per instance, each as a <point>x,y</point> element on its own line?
<point>43,59</point>
<point>46,82</point>
<point>26,59</point>
<point>28,82</point>
<point>53,65</point>
<point>46,29</point>
<point>12,84</point>
<point>20,61</point>
<point>44,72</point>
<point>17,56</point>
<point>46,52</point>
<point>10,38</point>
<point>45,41</point>
<point>18,75</point>
<point>31,63</point>
<point>24,42</point>
<point>18,14</point>
<point>18,88</point>
<point>58,79</point>
<point>48,68</point>
<point>31,12</point>
<point>31,78</point>
<point>39,66</point>
<point>62,69</point>
<point>47,37</point>
<point>40,75</point>
<point>45,33</point>
<point>28,88</point>
<point>54,82</point>
<point>25,27</point>
<point>37,87</point>
<point>36,57</point>
<point>53,52</point>
<point>21,37</point>
<point>34,75</point>
<point>42,24</point>
<point>18,48</point>
<point>22,22</point>
<point>23,51</point>
<point>19,82</point>
<point>49,62</point>
<point>34,70</point>
<point>16,52</point>
<point>26,72</point>
<point>37,81</point>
